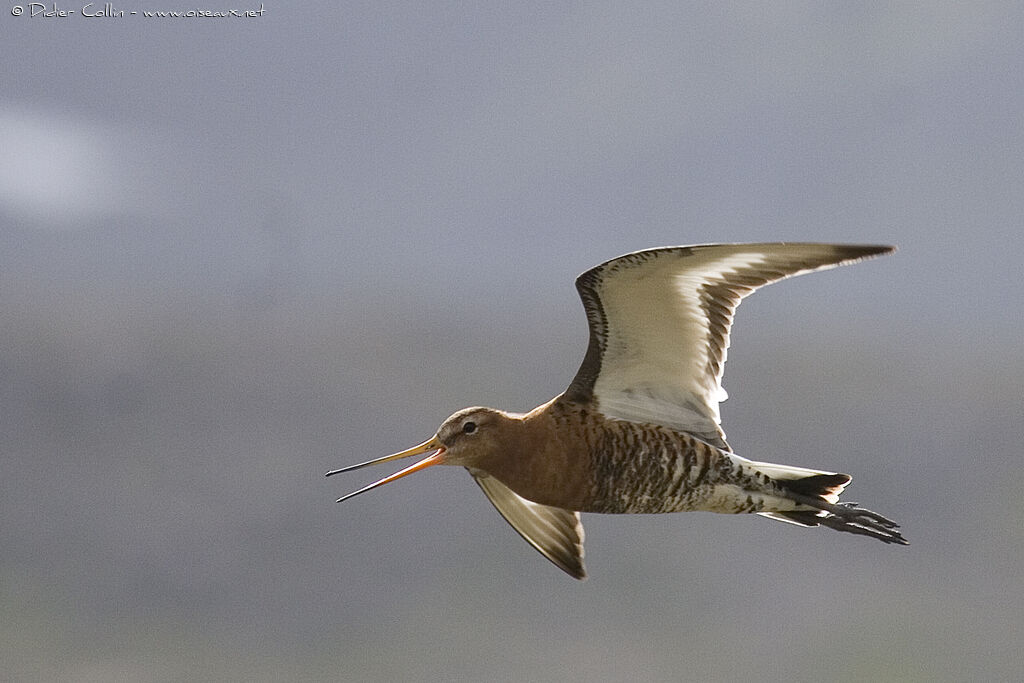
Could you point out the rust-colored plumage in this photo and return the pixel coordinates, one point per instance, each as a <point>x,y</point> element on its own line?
<point>638,431</point>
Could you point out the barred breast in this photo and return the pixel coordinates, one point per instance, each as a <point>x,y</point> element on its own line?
<point>644,468</point>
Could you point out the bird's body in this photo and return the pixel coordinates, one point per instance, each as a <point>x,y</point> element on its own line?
<point>637,431</point>
<point>563,455</point>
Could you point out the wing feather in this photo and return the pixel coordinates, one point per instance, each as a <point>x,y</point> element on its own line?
<point>556,533</point>
<point>659,325</point>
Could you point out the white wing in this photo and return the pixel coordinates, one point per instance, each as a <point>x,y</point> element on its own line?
<point>556,533</point>
<point>659,326</point>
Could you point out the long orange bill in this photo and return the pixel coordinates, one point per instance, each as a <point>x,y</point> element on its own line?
<point>434,459</point>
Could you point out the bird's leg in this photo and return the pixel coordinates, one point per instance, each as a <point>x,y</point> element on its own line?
<point>856,520</point>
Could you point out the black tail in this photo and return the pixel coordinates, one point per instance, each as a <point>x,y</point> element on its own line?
<point>823,485</point>
<point>818,491</point>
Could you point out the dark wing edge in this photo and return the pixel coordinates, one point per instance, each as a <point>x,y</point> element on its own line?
<point>588,284</point>
<point>581,389</point>
<point>555,532</point>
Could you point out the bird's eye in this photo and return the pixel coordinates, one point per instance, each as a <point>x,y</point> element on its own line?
<point>469,427</point>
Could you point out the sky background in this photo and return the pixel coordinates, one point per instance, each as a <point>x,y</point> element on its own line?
<point>237,253</point>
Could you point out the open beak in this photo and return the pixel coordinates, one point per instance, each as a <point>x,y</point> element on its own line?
<point>436,458</point>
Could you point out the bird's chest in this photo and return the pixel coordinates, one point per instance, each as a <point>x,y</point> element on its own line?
<point>553,476</point>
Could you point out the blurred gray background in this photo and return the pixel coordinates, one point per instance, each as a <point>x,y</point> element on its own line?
<point>236,253</point>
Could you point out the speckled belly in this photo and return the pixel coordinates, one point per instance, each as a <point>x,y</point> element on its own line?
<point>648,469</point>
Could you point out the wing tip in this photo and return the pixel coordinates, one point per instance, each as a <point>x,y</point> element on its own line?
<point>862,251</point>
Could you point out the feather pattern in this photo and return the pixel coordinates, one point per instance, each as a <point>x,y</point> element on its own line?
<point>556,533</point>
<point>660,320</point>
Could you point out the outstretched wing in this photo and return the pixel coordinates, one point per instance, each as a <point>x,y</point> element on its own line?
<point>556,533</point>
<point>659,326</point>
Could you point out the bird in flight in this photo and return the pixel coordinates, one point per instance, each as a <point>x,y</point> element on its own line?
<point>638,429</point>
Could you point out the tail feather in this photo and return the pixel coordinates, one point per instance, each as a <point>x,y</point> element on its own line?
<point>817,494</point>
<point>824,485</point>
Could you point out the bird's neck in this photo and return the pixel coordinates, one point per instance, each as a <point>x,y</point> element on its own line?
<point>542,462</point>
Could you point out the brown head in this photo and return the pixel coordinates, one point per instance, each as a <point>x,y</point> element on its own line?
<point>472,437</point>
